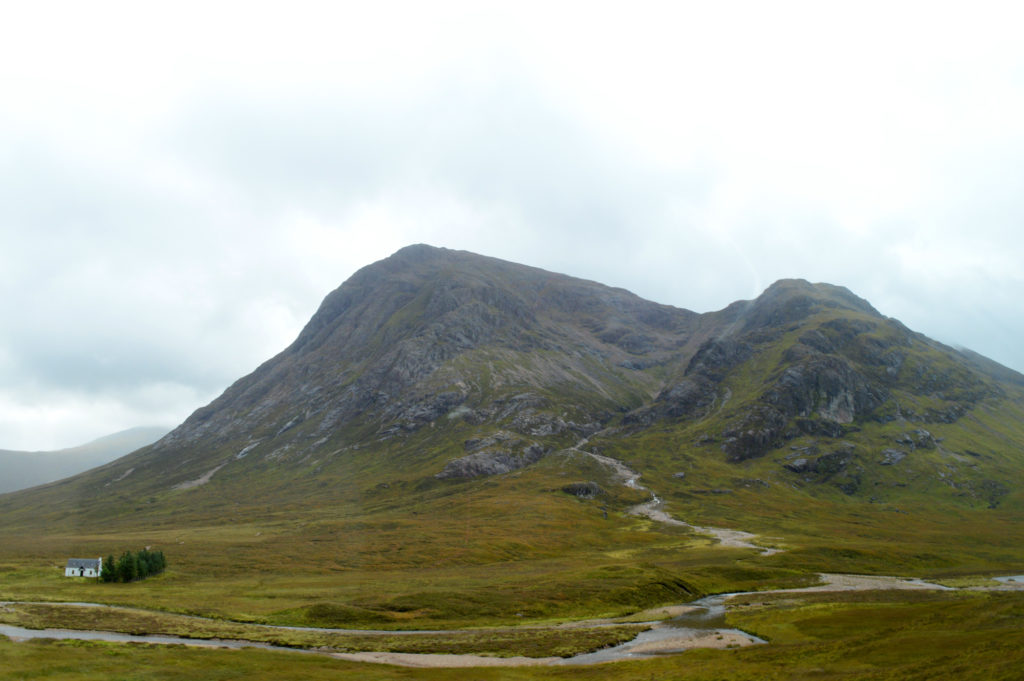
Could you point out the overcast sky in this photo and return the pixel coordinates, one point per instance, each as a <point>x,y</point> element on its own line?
<point>180,187</point>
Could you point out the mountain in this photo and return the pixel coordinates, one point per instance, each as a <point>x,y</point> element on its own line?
<point>28,469</point>
<point>428,336</point>
<point>450,412</point>
<point>502,364</point>
<point>431,333</point>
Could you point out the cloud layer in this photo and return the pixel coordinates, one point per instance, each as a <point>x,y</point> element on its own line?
<point>179,190</point>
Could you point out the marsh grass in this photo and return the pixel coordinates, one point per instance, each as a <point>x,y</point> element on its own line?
<point>859,636</point>
<point>524,641</point>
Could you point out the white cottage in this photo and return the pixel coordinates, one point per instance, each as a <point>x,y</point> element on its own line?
<point>83,567</point>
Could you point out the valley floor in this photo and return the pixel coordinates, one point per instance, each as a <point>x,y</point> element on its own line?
<point>674,629</point>
<point>425,599</point>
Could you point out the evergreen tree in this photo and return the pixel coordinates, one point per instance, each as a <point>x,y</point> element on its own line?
<point>108,573</point>
<point>132,566</point>
<point>142,560</point>
<point>127,567</point>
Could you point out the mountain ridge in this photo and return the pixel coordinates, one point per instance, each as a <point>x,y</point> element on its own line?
<point>23,469</point>
<point>490,366</point>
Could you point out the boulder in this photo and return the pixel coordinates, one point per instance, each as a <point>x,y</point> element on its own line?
<point>917,439</point>
<point>800,465</point>
<point>892,456</point>
<point>583,490</point>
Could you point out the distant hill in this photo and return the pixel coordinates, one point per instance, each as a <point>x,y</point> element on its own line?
<point>19,470</point>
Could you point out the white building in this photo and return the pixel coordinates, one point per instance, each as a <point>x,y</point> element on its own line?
<point>83,567</point>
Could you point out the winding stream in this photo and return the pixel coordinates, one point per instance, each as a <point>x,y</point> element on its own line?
<point>701,624</point>
<point>703,621</point>
<point>1012,579</point>
<point>653,509</point>
<point>22,634</point>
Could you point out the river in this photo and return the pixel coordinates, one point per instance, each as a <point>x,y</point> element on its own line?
<point>700,625</point>
<point>21,634</point>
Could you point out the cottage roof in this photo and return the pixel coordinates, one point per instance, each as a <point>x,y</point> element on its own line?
<point>86,563</point>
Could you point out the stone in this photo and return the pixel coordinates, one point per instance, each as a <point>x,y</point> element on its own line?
<point>892,456</point>
<point>799,465</point>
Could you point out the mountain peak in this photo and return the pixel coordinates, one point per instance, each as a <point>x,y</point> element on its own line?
<point>791,300</point>
<point>419,252</point>
<point>828,294</point>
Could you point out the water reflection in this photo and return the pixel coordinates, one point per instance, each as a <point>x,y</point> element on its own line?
<point>703,625</point>
<point>22,634</point>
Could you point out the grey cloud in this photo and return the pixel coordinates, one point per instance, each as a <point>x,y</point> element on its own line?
<point>499,144</point>
<point>166,260</point>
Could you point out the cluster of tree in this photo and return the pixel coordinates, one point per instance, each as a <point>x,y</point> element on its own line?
<point>132,566</point>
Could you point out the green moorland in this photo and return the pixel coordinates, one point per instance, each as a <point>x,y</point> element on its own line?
<point>464,560</point>
<point>516,550</point>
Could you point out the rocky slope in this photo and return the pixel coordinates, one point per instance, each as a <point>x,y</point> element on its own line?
<point>432,336</point>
